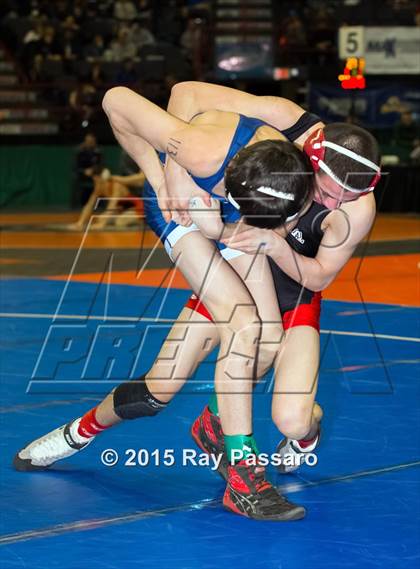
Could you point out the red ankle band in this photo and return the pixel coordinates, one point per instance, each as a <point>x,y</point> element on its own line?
<point>303,443</point>
<point>89,426</point>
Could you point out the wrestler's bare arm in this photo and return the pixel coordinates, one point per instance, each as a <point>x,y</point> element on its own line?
<point>192,97</point>
<point>141,126</point>
<point>342,235</point>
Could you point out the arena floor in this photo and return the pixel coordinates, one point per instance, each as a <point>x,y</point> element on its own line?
<point>362,497</point>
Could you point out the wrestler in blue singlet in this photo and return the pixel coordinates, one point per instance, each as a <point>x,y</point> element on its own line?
<point>171,232</point>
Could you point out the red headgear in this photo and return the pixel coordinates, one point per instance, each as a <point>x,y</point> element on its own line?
<point>315,146</point>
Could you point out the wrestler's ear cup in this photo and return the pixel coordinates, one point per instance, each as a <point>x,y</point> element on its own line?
<point>314,148</point>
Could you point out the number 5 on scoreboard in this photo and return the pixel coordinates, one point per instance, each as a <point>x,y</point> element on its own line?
<point>351,42</point>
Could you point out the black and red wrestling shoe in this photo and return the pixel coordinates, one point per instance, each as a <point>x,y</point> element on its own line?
<point>208,435</point>
<point>250,494</point>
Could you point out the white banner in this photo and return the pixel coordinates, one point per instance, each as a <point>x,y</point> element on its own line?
<point>391,51</point>
<point>387,50</point>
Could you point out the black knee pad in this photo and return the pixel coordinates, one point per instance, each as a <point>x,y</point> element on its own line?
<point>133,400</point>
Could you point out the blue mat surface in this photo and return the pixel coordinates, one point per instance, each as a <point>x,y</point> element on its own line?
<point>362,497</point>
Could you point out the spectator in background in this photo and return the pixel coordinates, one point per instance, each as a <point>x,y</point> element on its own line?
<point>9,10</point>
<point>125,11</point>
<point>192,42</point>
<point>57,10</point>
<point>37,72</point>
<point>104,8</point>
<point>322,31</point>
<point>91,11</point>
<point>49,47</point>
<point>121,47</point>
<point>140,36</point>
<point>88,155</point>
<point>191,37</point>
<point>122,204</point>
<point>83,101</point>
<point>96,76</point>
<point>95,50</point>
<point>31,44</point>
<point>194,4</point>
<point>70,46</point>
<point>294,32</point>
<point>127,74</point>
<point>415,153</point>
<point>169,23</point>
<point>406,133</point>
<point>292,40</point>
<point>144,9</point>
<point>70,24</point>
<point>79,14</point>
<point>34,35</point>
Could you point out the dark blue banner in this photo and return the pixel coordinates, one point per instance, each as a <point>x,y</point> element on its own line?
<point>377,107</point>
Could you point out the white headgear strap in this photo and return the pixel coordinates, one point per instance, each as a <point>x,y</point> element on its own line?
<point>292,217</point>
<point>279,194</point>
<point>232,200</point>
<point>276,193</point>
<point>235,204</point>
<point>350,154</point>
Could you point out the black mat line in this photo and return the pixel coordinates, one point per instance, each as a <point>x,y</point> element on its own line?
<point>50,262</point>
<point>83,525</point>
<point>61,228</point>
<point>374,248</point>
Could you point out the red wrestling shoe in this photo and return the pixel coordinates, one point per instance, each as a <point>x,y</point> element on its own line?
<point>208,435</point>
<point>250,494</point>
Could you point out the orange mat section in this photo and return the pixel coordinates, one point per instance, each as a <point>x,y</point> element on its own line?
<point>37,218</point>
<point>67,240</point>
<point>168,278</point>
<point>7,261</point>
<point>388,227</point>
<point>391,227</point>
<point>388,279</point>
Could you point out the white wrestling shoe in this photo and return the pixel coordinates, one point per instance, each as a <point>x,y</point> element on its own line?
<point>293,455</point>
<point>56,445</point>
